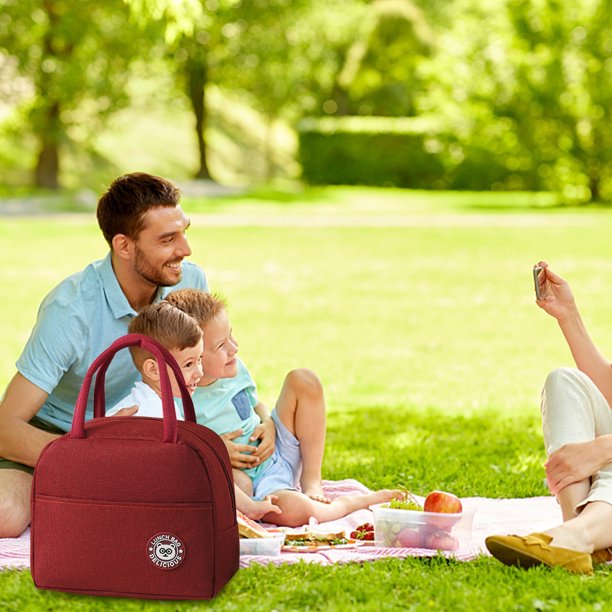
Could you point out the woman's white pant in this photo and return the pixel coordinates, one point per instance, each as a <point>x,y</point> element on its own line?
<point>574,410</point>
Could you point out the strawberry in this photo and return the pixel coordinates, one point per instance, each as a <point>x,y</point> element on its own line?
<point>363,532</point>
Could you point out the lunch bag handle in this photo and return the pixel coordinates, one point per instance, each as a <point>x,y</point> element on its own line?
<point>101,364</point>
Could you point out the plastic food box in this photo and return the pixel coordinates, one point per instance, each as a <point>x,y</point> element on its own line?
<point>396,528</point>
<point>262,546</point>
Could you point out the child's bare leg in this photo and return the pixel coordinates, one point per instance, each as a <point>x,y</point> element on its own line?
<point>301,408</point>
<point>243,481</point>
<point>297,508</point>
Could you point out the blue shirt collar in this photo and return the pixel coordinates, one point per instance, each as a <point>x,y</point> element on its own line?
<point>115,297</point>
<point>119,305</point>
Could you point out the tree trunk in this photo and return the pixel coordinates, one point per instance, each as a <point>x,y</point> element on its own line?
<point>47,165</point>
<point>594,186</point>
<point>197,77</point>
<point>341,98</point>
<point>269,150</point>
<point>47,119</point>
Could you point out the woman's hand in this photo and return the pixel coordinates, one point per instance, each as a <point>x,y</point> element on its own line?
<point>556,298</point>
<point>574,463</point>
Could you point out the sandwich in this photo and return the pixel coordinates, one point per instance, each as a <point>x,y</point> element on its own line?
<point>316,538</point>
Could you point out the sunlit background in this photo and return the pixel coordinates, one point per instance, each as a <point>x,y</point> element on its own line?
<point>468,94</point>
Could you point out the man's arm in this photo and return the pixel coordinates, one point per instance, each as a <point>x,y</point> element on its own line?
<point>19,441</point>
<point>558,301</point>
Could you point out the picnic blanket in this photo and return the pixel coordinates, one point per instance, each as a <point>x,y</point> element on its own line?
<point>493,516</point>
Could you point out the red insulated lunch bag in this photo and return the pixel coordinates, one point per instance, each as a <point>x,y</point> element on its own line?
<point>134,506</point>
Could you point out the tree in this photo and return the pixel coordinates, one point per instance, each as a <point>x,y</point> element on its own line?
<point>529,95</point>
<point>286,63</point>
<point>562,93</point>
<point>381,71</point>
<point>192,70</point>
<point>227,46</point>
<point>75,56</point>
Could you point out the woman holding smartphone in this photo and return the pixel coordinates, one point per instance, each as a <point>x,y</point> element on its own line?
<point>577,425</point>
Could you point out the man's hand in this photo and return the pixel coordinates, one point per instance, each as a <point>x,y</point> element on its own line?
<point>130,411</point>
<point>557,297</point>
<point>573,463</point>
<point>241,455</point>
<point>266,433</point>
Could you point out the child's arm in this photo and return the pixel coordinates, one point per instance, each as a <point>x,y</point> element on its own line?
<point>265,432</point>
<point>255,509</point>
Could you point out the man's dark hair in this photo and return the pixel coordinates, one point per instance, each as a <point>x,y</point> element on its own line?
<point>122,208</point>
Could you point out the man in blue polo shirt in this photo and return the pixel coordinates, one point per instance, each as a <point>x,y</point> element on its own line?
<point>145,227</point>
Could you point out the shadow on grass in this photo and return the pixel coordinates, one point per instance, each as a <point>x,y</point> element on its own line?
<point>482,455</point>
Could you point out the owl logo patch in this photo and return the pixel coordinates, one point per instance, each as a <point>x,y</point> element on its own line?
<point>166,551</point>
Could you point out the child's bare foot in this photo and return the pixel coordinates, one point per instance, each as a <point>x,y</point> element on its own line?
<point>315,491</point>
<point>320,498</point>
<point>384,495</point>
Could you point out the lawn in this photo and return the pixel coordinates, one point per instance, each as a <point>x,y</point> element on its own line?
<point>417,312</point>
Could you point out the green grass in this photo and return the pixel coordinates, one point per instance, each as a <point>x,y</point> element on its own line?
<point>417,312</point>
<point>411,584</point>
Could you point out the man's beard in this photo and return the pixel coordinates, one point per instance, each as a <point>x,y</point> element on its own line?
<point>151,274</point>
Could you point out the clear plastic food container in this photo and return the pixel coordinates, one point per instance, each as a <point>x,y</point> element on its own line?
<point>398,528</point>
<point>262,546</point>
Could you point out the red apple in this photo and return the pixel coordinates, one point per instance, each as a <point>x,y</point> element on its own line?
<point>441,540</point>
<point>440,501</point>
<point>409,538</point>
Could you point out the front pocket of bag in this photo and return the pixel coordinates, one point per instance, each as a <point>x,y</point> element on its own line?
<point>118,548</point>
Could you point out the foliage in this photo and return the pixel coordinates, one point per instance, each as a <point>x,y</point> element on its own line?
<point>531,92</point>
<point>562,89</point>
<point>400,152</point>
<point>73,58</point>
<point>523,103</point>
<point>381,69</point>
<point>289,66</point>
<point>224,48</point>
<point>286,61</point>
<point>368,151</point>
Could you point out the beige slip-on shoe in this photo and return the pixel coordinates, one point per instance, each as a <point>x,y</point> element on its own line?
<point>535,549</point>
<point>604,555</point>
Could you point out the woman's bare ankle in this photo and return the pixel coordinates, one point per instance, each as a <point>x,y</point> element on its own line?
<point>571,539</point>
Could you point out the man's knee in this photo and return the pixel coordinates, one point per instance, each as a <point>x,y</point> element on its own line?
<point>14,502</point>
<point>305,382</point>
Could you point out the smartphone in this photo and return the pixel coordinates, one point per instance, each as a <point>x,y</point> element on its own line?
<point>536,281</point>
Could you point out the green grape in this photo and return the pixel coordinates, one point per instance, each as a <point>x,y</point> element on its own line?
<point>400,504</point>
<point>407,502</point>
